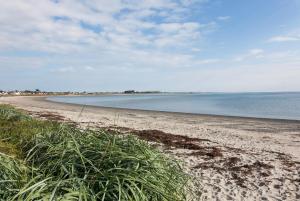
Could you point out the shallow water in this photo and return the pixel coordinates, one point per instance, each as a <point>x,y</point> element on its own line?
<point>264,105</point>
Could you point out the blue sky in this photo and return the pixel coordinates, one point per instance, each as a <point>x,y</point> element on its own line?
<point>179,45</point>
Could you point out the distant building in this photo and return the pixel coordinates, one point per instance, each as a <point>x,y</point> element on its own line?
<point>3,92</point>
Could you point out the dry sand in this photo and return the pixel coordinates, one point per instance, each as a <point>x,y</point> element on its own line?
<point>231,158</point>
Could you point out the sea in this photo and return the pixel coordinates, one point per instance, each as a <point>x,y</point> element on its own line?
<point>274,105</point>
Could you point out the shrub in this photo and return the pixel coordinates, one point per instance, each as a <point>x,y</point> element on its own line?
<point>59,162</point>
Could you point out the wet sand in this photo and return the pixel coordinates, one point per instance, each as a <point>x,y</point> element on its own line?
<point>231,158</point>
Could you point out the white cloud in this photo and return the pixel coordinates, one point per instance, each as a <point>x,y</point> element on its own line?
<point>283,56</point>
<point>20,63</point>
<point>284,38</point>
<point>103,29</point>
<point>69,69</point>
<point>223,18</point>
<point>255,52</point>
<point>207,61</point>
<point>57,27</point>
<point>252,53</point>
<point>269,58</point>
<point>241,78</point>
<point>64,69</point>
<point>89,68</point>
<point>195,49</point>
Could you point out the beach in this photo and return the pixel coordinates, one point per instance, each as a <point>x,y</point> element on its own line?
<point>230,158</point>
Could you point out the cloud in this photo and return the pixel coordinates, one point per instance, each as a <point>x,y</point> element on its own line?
<point>64,69</point>
<point>107,43</point>
<point>195,49</point>
<point>89,68</point>
<point>267,57</point>
<point>70,69</point>
<point>208,61</point>
<point>252,53</point>
<point>284,38</point>
<point>20,63</point>
<point>67,26</point>
<point>155,31</point>
<point>73,69</point>
<point>223,18</point>
<point>241,78</point>
<point>255,52</point>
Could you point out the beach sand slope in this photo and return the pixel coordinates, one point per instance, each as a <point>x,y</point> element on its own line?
<point>231,158</point>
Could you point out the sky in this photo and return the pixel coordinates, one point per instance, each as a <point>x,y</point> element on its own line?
<point>165,45</point>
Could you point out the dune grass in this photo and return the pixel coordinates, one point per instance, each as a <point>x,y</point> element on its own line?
<point>46,160</point>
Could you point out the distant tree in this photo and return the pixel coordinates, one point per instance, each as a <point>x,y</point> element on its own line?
<point>129,92</point>
<point>28,91</point>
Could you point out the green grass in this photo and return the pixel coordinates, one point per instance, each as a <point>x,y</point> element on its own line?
<point>45,160</point>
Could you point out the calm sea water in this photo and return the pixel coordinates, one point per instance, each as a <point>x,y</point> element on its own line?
<point>265,105</point>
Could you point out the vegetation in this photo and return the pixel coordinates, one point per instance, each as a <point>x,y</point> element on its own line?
<point>46,160</point>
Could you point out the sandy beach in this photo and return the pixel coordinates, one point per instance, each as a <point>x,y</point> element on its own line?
<point>231,158</point>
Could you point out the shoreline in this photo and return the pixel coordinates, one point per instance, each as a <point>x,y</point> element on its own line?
<point>116,109</point>
<point>231,158</point>
<point>148,119</point>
